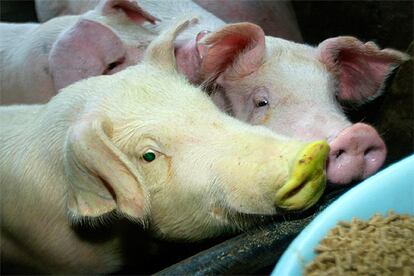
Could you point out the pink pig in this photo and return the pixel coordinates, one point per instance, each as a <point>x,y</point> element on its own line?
<point>36,60</point>
<point>292,88</point>
<point>296,89</point>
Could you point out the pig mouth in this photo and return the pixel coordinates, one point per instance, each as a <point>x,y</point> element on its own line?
<point>303,188</point>
<point>307,180</point>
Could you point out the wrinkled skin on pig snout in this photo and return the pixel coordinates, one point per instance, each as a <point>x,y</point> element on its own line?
<point>297,89</point>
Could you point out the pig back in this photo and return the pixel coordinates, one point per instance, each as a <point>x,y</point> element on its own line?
<point>170,11</point>
<point>25,74</point>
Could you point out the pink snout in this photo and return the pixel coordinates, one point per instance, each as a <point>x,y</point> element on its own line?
<point>356,153</point>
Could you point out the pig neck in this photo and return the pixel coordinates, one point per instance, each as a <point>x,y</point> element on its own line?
<point>42,129</point>
<point>32,178</point>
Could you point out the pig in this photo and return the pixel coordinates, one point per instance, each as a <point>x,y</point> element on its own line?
<point>48,9</point>
<point>266,14</point>
<point>42,58</point>
<point>292,88</point>
<point>146,145</point>
<point>297,89</point>
<point>276,18</point>
<point>36,60</point>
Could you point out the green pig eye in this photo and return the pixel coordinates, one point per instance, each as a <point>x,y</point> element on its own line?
<point>149,156</point>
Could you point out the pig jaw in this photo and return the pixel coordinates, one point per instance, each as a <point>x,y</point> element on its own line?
<point>244,192</point>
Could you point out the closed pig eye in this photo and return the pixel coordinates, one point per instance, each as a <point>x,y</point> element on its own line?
<point>113,65</point>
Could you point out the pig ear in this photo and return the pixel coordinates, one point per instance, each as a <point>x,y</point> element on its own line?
<point>236,50</point>
<point>160,52</point>
<point>101,178</point>
<point>129,7</point>
<point>86,49</point>
<point>361,69</point>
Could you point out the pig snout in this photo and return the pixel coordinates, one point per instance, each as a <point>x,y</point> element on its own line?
<point>307,179</point>
<point>356,153</point>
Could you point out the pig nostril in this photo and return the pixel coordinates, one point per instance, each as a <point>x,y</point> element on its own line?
<point>369,151</point>
<point>371,154</point>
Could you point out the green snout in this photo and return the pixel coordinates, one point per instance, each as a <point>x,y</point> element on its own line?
<point>307,178</point>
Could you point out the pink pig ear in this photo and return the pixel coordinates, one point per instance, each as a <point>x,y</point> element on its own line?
<point>236,50</point>
<point>129,7</point>
<point>361,69</point>
<point>87,49</point>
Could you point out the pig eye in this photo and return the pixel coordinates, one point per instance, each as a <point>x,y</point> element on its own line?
<point>112,65</point>
<point>260,102</point>
<point>149,156</point>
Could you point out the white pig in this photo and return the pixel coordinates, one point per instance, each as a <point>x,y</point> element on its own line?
<point>42,58</point>
<point>277,18</point>
<point>296,90</point>
<point>146,145</point>
<point>291,88</point>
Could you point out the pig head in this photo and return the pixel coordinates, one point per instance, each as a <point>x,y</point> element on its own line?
<point>190,179</point>
<point>297,89</point>
<point>70,48</point>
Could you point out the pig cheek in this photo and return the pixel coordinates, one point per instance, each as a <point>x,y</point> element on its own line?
<point>260,116</point>
<point>254,199</point>
<point>278,115</point>
<point>286,123</point>
<point>158,174</point>
<point>236,101</point>
<point>265,119</point>
<point>254,196</point>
